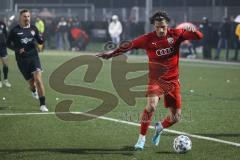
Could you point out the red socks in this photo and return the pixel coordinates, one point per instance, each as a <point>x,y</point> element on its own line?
<point>167,122</point>
<point>145,121</point>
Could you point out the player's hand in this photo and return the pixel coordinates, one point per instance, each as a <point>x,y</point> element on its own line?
<point>105,55</point>
<point>21,51</point>
<point>190,28</point>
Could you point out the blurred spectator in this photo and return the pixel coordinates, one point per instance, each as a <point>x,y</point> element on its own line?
<point>40,25</point>
<point>206,29</point>
<point>70,24</point>
<point>49,34</point>
<point>131,28</point>
<point>237,32</point>
<point>12,22</point>
<point>187,50</point>
<point>62,41</point>
<point>132,31</point>
<point>234,41</point>
<point>115,29</point>
<point>224,36</point>
<point>76,22</point>
<point>41,28</point>
<point>79,38</point>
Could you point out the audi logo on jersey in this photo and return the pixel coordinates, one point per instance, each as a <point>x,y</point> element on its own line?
<point>164,51</point>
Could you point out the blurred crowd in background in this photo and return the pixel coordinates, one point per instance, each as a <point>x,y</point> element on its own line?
<point>221,37</point>
<point>70,33</point>
<point>59,33</point>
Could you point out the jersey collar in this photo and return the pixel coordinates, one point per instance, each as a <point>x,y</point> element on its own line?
<point>28,26</point>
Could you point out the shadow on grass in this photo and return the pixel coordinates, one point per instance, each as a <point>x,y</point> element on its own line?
<point>128,151</point>
<point>166,152</point>
<point>4,108</point>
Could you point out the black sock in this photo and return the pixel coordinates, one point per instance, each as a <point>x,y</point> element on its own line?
<point>42,100</point>
<point>5,71</point>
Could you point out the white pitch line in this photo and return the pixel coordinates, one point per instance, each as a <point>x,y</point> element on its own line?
<point>125,122</point>
<point>209,61</point>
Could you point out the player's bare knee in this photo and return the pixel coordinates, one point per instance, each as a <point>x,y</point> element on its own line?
<point>38,81</point>
<point>151,107</point>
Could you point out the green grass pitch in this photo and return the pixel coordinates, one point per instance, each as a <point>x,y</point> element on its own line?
<point>210,102</point>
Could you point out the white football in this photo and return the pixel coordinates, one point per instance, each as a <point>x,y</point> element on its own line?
<point>182,144</point>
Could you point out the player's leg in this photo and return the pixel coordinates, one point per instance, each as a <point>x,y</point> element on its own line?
<point>33,88</point>
<point>3,59</point>
<point>146,119</point>
<point>5,71</point>
<point>172,100</point>
<point>37,75</point>
<point>24,67</point>
<point>173,117</point>
<point>36,72</point>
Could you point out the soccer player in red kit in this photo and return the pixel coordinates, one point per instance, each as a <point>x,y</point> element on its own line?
<point>162,48</point>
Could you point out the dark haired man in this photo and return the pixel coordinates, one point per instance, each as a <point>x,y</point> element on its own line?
<point>162,47</point>
<point>22,39</point>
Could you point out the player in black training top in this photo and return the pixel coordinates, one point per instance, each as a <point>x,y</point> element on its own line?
<point>22,39</point>
<point>3,55</point>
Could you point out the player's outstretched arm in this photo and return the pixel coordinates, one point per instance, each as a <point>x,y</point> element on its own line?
<point>110,54</point>
<point>137,43</point>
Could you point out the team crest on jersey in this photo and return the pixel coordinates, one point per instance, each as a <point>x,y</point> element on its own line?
<point>170,40</point>
<point>32,32</point>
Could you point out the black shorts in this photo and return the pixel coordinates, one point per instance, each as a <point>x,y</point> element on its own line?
<point>29,65</point>
<point>3,52</point>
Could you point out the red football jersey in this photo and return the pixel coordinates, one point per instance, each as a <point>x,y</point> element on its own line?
<point>163,52</point>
